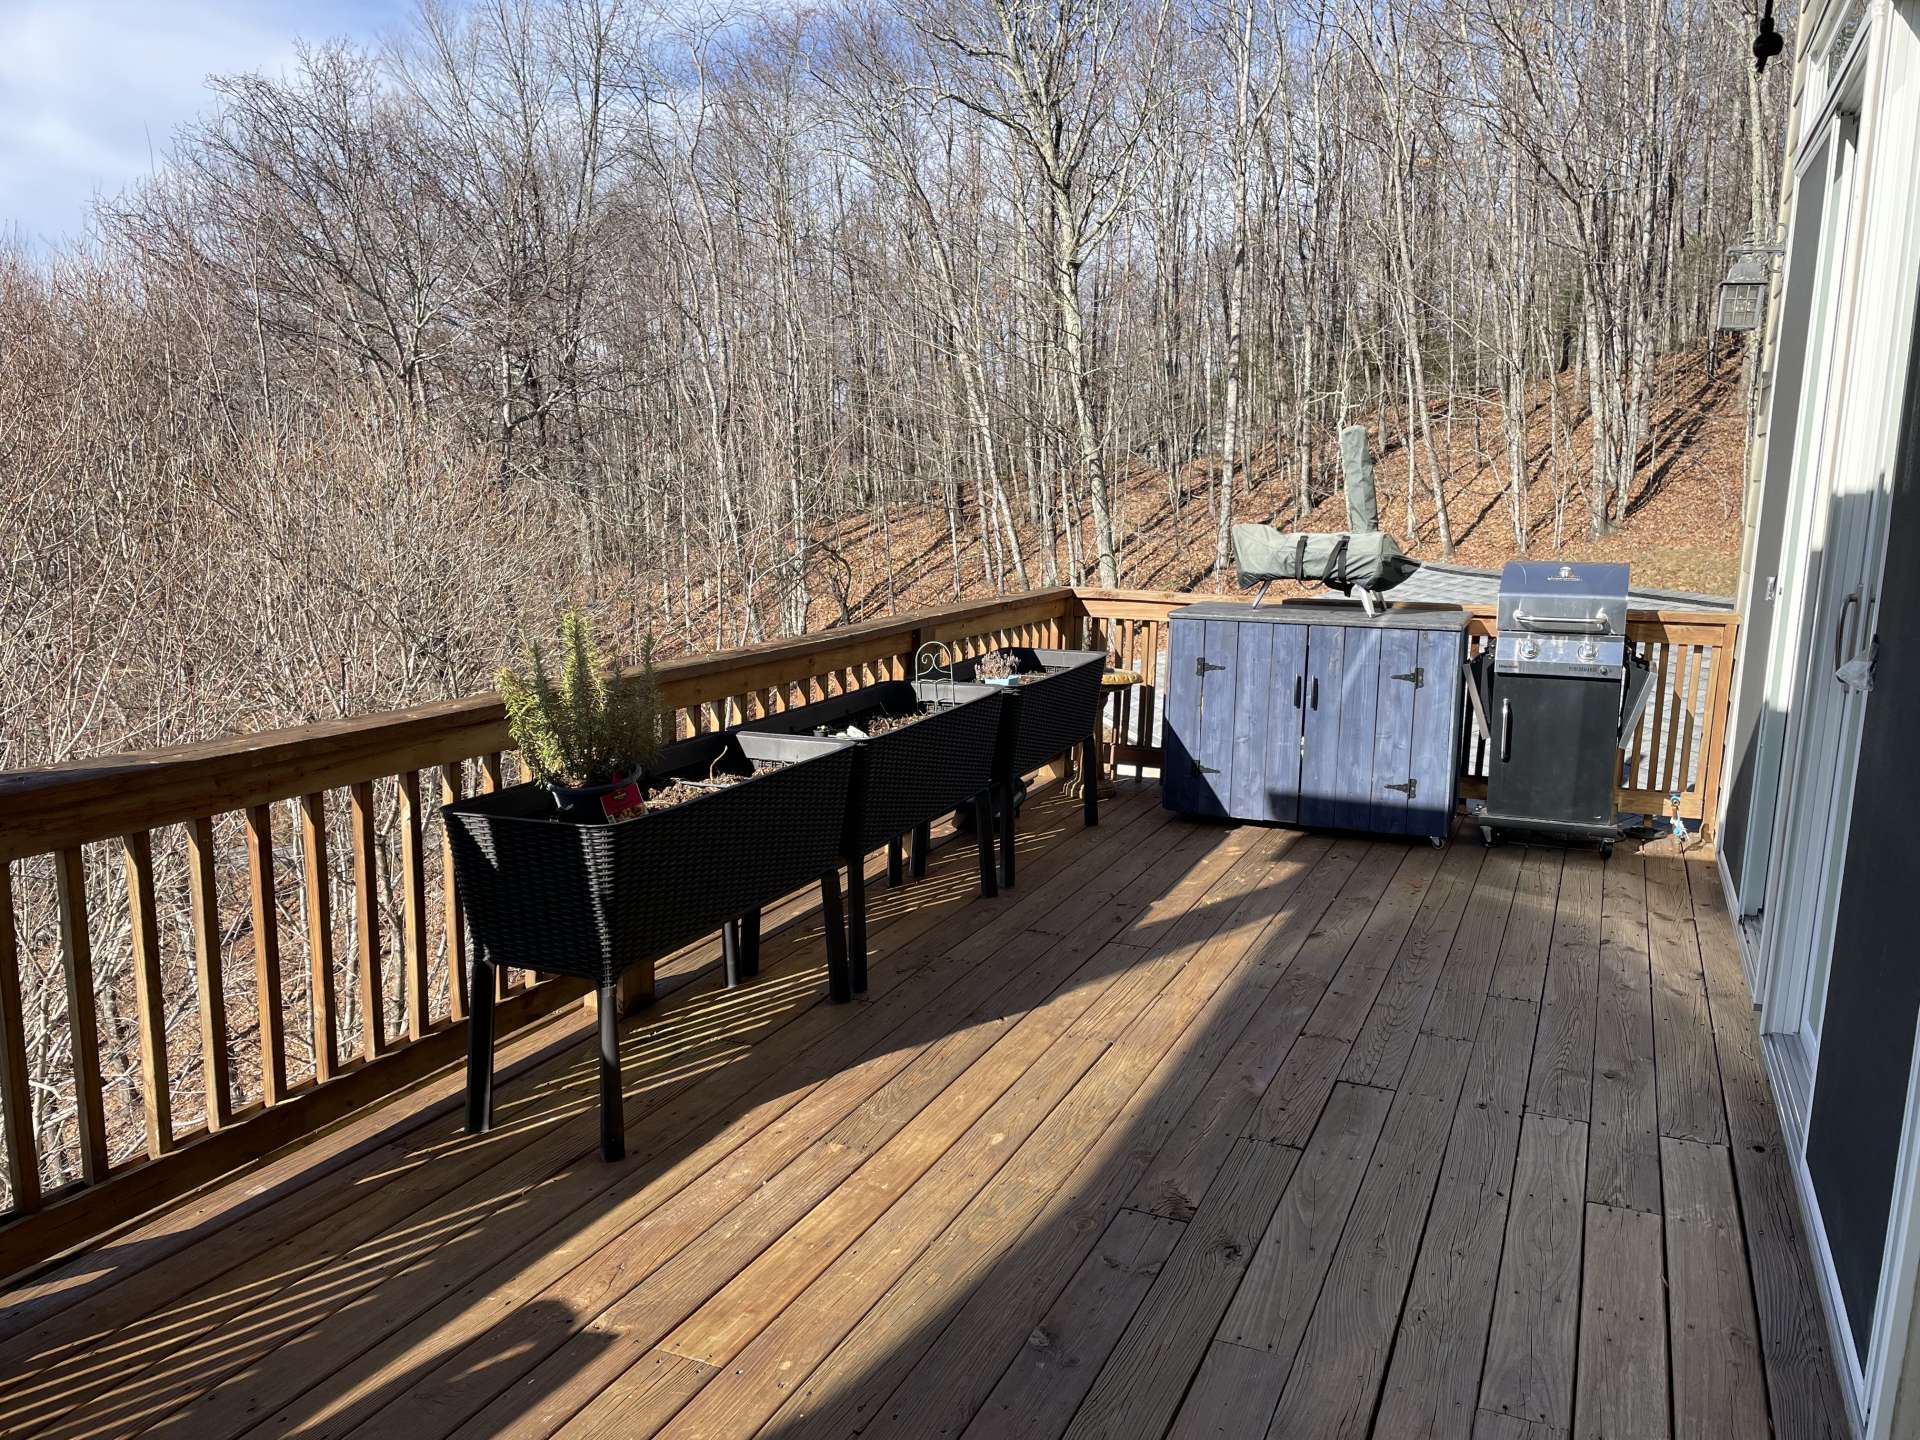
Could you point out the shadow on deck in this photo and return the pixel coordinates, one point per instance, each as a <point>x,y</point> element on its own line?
<point>1202,1130</point>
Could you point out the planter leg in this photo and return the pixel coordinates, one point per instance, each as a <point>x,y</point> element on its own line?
<point>1007,823</point>
<point>750,943</point>
<point>983,834</point>
<point>839,989</point>
<point>480,1049</point>
<point>740,948</point>
<point>1090,780</point>
<point>613,1126</point>
<point>730,952</point>
<point>896,870</point>
<point>922,843</point>
<point>857,923</point>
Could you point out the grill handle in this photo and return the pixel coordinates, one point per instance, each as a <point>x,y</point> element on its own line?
<point>1506,730</point>
<point>1591,624</point>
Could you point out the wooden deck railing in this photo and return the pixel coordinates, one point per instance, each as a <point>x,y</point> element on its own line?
<point>296,881</point>
<point>221,857</point>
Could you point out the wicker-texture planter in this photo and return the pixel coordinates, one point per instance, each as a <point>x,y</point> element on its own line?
<point>1041,719</point>
<point>545,893</point>
<point>905,778</point>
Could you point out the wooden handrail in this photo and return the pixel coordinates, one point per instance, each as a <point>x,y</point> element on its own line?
<point>402,973</point>
<point>99,798</point>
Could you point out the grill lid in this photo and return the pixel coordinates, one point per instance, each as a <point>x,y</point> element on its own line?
<point>1562,619</point>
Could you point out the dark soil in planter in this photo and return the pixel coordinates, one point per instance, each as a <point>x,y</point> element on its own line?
<point>678,792</point>
<point>880,723</point>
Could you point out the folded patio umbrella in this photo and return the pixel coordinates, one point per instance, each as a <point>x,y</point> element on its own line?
<point>1367,560</point>
<point>1364,558</point>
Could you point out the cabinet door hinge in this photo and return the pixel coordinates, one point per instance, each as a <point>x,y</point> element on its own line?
<point>1201,667</point>
<point>1418,675</point>
<point>1412,787</point>
<point>1199,770</point>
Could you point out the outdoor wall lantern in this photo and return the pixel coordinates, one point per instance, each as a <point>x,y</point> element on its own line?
<point>1743,294</point>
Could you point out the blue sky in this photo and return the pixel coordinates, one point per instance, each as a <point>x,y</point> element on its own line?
<point>91,90</point>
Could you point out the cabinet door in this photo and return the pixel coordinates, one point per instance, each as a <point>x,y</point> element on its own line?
<point>1402,686</point>
<point>1217,668</point>
<point>1197,767</point>
<point>1286,703</point>
<point>1359,703</point>
<point>1320,759</point>
<point>1439,710</point>
<point>1247,765</point>
<point>1180,721</point>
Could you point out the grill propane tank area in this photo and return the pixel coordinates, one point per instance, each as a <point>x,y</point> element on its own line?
<point>1555,699</point>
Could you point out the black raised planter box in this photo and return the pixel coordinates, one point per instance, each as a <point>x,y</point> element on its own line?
<point>1041,719</point>
<point>905,778</point>
<point>545,893</point>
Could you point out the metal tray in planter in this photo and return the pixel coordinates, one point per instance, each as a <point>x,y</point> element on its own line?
<point>550,894</point>
<point>1041,719</point>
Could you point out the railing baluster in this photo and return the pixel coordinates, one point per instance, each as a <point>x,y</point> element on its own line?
<point>490,767</point>
<point>366,921</point>
<point>207,972</point>
<point>149,999</point>
<point>76,954</point>
<point>451,779</point>
<point>313,857</point>
<point>16,1094</point>
<point>266,954</point>
<point>413,892</point>
<point>1680,742</point>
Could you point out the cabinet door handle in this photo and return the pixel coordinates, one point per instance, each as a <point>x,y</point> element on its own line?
<point>1299,681</point>
<point>1315,702</point>
<point>1506,730</point>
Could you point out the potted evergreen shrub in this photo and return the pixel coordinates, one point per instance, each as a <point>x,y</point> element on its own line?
<point>621,849</point>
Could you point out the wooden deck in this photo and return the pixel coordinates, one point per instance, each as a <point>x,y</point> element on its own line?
<point>1202,1131</point>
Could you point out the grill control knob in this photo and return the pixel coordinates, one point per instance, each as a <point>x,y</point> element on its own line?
<point>1529,649</point>
<point>1589,650</point>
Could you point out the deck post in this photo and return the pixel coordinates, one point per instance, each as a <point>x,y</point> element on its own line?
<point>480,996</point>
<point>613,1128</point>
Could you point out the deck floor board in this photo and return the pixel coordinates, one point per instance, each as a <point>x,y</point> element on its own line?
<point>1201,1130</point>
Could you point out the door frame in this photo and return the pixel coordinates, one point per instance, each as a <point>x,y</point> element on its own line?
<point>1823,445</point>
<point>1871,375</point>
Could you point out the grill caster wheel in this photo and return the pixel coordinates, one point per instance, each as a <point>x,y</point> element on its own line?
<point>1437,841</point>
<point>1486,836</point>
<point>1606,849</point>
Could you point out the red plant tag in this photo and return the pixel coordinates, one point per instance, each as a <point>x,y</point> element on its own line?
<point>625,802</point>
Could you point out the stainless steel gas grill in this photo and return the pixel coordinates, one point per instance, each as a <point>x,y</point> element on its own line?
<point>1556,698</point>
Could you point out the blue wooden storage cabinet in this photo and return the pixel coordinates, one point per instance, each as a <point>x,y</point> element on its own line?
<point>1314,713</point>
